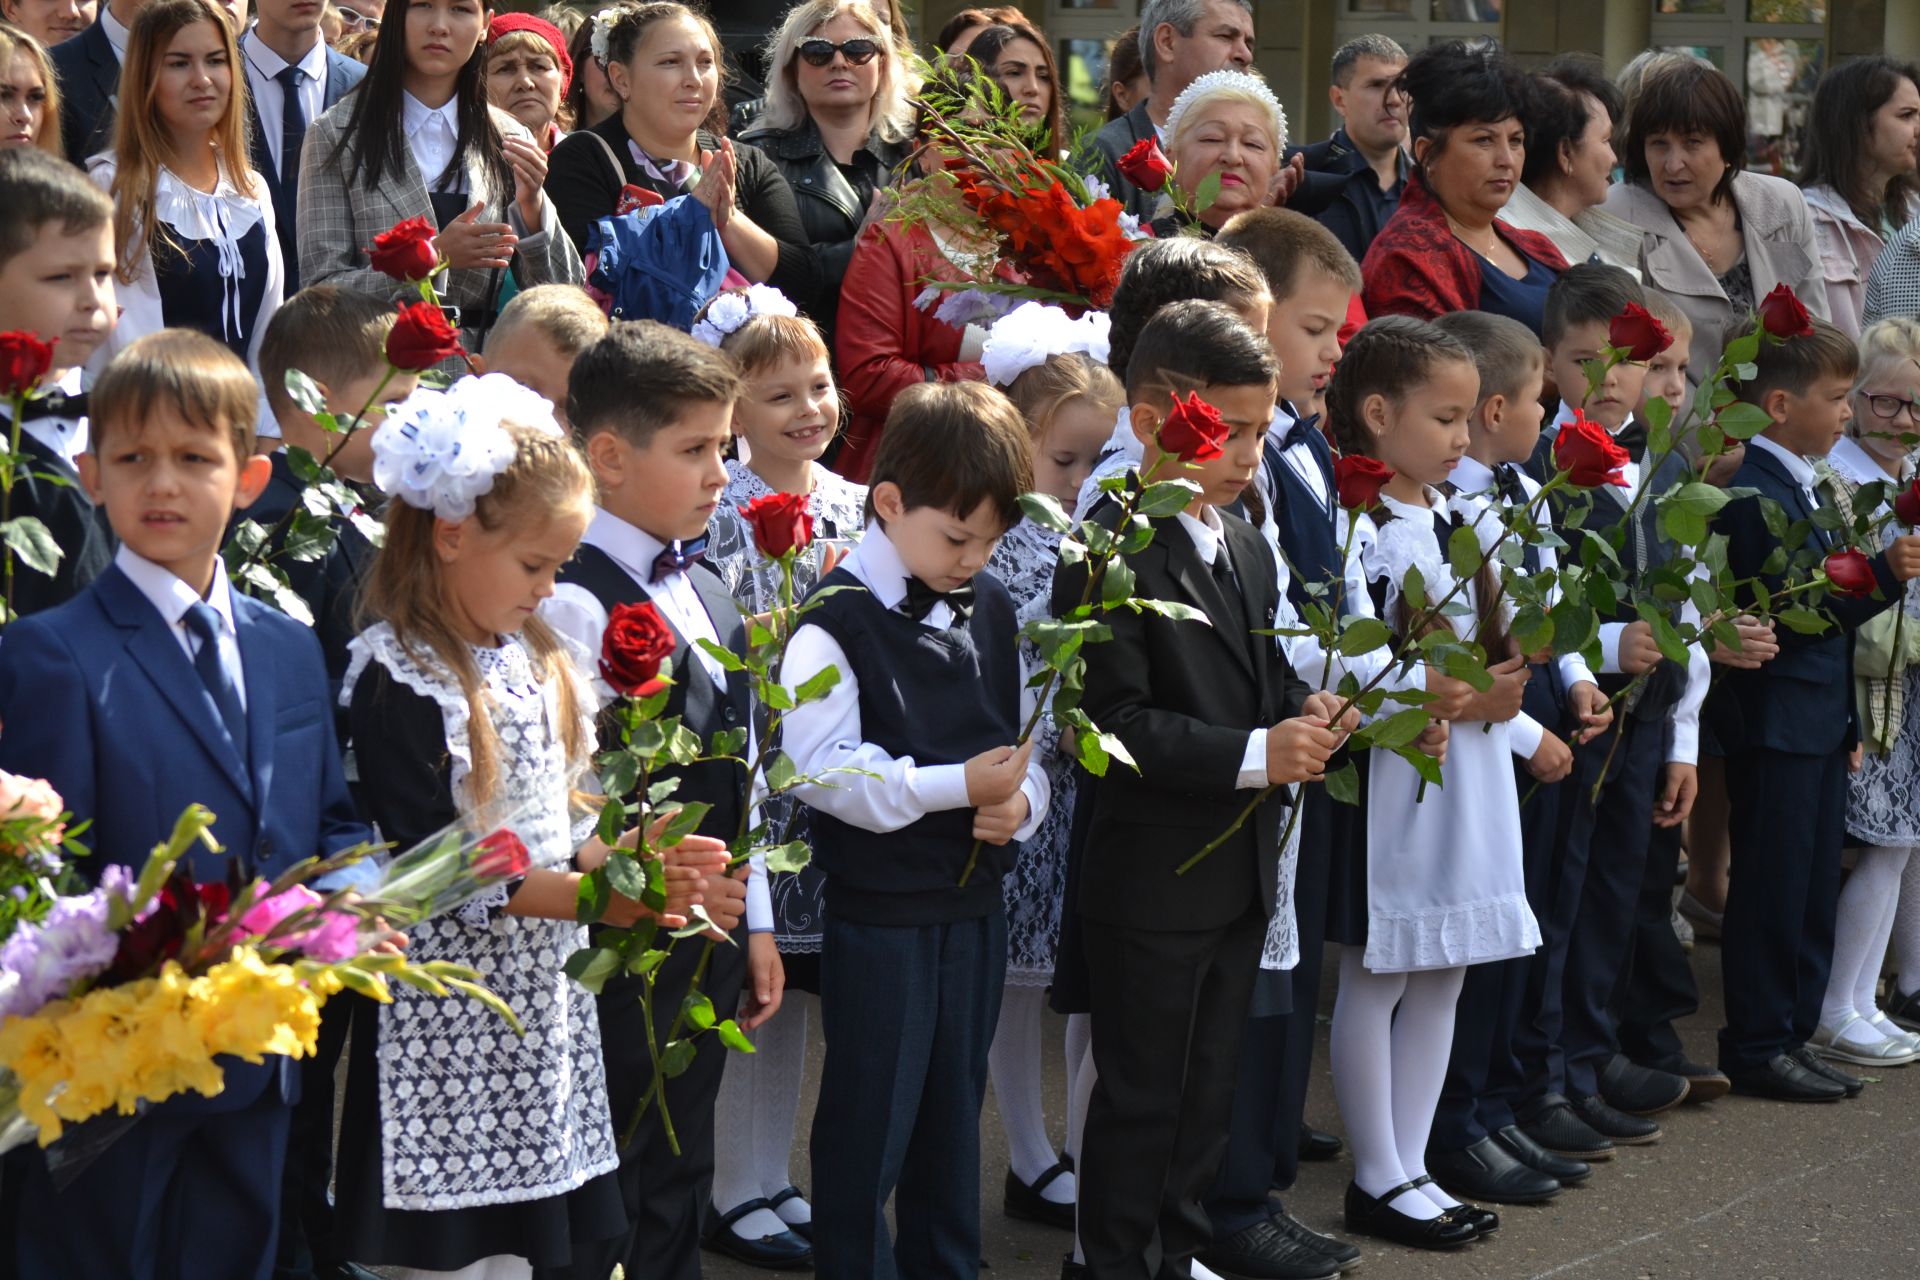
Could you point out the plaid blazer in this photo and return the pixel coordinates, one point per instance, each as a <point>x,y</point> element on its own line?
<point>337,221</point>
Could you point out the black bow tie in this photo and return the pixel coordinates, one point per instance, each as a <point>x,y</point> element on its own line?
<point>1632,438</point>
<point>57,404</point>
<point>1303,430</point>
<point>679,557</point>
<point>1506,478</point>
<point>921,598</point>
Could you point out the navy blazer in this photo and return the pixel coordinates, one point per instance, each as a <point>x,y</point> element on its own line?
<point>343,73</point>
<point>1800,703</point>
<point>89,76</point>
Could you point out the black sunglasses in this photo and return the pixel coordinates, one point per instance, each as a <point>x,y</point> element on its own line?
<point>819,53</point>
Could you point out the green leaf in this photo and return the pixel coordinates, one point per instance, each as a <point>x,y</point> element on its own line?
<point>1092,752</point>
<point>1423,764</point>
<point>28,538</point>
<point>1398,729</point>
<point>781,772</point>
<point>1804,621</point>
<point>684,822</point>
<point>1671,646</point>
<point>1702,499</point>
<point>1172,610</point>
<point>659,791</point>
<point>721,654</point>
<point>1363,635</point>
<point>1463,552</point>
<point>1413,589</point>
<point>676,1057</point>
<point>305,392</point>
<point>305,467</point>
<point>1462,665</point>
<point>1743,421</point>
<point>591,899</point>
<point>1116,582</point>
<point>792,856</point>
<point>625,875</point>
<point>1742,349</point>
<point>817,685</point>
<point>697,1009</point>
<point>493,1002</point>
<point>1167,498</point>
<point>733,1037</point>
<point>1118,750</point>
<point>591,967</point>
<point>1046,511</point>
<point>1206,193</point>
<point>613,821</point>
<point>1343,784</point>
<point>309,537</point>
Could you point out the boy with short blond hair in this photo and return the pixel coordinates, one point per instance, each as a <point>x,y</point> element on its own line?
<point>538,337</point>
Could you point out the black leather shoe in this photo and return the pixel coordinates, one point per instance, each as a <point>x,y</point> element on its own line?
<point>1551,1122</point>
<point>1369,1216</point>
<point>1903,1009</point>
<point>1813,1062</point>
<point>1483,1221</point>
<point>1784,1080</point>
<point>1263,1251</point>
<point>1344,1255</point>
<point>1071,1270</point>
<point>1638,1090</point>
<point>781,1251</point>
<point>1488,1171</point>
<point>1316,1144</point>
<point>1027,1204</point>
<point>1566,1172</point>
<point>1623,1129</point>
<point>1704,1083</point>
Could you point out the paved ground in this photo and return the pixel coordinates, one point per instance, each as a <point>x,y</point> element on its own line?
<point>1737,1190</point>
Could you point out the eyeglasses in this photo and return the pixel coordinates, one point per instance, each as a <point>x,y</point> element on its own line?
<point>1889,407</point>
<point>819,53</point>
<point>354,20</point>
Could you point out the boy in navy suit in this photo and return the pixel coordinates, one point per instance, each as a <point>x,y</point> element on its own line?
<point>56,281</point>
<point>1787,763</point>
<point>653,408</point>
<point>155,688</point>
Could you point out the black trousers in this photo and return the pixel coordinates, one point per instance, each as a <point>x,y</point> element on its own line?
<point>1776,939</point>
<point>306,1204</point>
<point>1656,989</point>
<point>1169,1009</point>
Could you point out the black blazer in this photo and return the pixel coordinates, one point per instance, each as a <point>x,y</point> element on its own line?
<point>1182,697</point>
<point>343,73</point>
<point>1333,194</point>
<point>89,76</point>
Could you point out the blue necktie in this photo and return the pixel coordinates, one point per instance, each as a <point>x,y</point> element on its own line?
<point>293,126</point>
<point>204,622</point>
<point>1303,431</point>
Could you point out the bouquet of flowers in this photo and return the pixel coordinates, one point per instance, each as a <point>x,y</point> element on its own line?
<point>122,994</point>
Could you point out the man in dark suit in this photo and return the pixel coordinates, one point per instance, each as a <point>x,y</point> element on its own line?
<point>88,67</point>
<point>1366,152</point>
<point>292,76</point>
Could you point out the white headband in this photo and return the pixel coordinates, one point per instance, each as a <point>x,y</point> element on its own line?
<point>1026,336</point>
<point>729,312</point>
<point>1237,83</point>
<point>440,450</point>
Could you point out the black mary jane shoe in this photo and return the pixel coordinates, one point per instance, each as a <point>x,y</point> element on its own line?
<point>1027,1204</point>
<point>790,1192</point>
<point>1483,1221</point>
<point>1375,1216</point>
<point>781,1251</point>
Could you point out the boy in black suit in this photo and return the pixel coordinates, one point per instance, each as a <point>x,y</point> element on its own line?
<point>654,409</point>
<point>1787,765</point>
<point>1212,714</point>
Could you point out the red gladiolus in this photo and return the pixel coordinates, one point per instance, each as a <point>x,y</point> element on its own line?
<point>1194,431</point>
<point>406,252</point>
<point>1906,507</point>
<point>1358,480</point>
<point>24,361</point>
<point>158,936</point>
<point>1588,454</point>
<point>1637,333</point>
<point>636,642</point>
<point>1782,316</point>
<point>501,856</point>
<point>421,338</point>
<point>1145,165</point>
<point>1850,573</point>
<point>780,522</point>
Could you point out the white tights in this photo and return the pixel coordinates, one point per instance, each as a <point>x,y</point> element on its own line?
<point>753,1121</point>
<point>1014,1062</point>
<point>1388,1070</point>
<point>1869,901</point>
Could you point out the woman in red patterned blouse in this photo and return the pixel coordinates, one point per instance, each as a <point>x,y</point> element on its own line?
<point>1445,248</point>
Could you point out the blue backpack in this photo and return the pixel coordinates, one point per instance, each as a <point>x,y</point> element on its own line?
<point>660,263</point>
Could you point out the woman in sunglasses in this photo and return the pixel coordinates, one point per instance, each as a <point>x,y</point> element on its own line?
<point>663,61</point>
<point>836,125</point>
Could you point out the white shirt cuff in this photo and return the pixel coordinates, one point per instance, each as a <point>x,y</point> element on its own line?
<point>1038,792</point>
<point>759,897</point>
<point>939,786</point>
<point>1524,735</point>
<point>1253,762</point>
<point>1610,647</point>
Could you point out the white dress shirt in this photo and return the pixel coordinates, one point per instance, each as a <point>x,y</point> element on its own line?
<point>433,135</point>
<point>269,97</point>
<point>1798,467</point>
<point>172,597</point>
<point>825,735</point>
<point>117,33</point>
<point>577,613</point>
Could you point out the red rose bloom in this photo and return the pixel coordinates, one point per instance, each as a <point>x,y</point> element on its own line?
<point>24,361</point>
<point>1782,316</point>
<point>407,252</point>
<point>1850,573</point>
<point>1906,507</point>
<point>1358,481</point>
<point>1194,431</point>
<point>636,642</point>
<point>501,856</point>
<point>1588,454</point>
<point>1640,335</point>
<point>1145,165</point>
<point>421,338</point>
<point>780,522</point>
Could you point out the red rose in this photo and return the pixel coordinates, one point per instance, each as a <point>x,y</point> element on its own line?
<point>780,522</point>
<point>407,252</point>
<point>1640,335</point>
<point>24,360</point>
<point>1782,316</point>
<point>1850,573</point>
<point>421,338</point>
<point>636,642</point>
<point>1145,165</point>
<point>1906,507</point>
<point>501,856</point>
<point>1588,454</point>
<point>1358,480</point>
<point>1193,432</point>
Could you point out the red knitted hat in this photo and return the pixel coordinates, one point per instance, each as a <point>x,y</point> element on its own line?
<point>506,23</point>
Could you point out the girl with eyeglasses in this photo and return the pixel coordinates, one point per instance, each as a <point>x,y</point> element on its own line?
<point>836,126</point>
<point>663,62</point>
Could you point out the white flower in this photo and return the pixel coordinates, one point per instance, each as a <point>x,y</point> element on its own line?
<point>1032,332</point>
<point>495,395</point>
<point>729,312</point>
<point>1097,189</point>
<point>603,23</point>
<point>439,452</point>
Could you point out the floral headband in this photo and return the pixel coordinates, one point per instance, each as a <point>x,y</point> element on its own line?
<point>603,24</point>
<point>440,450</point>
<point>1237,84</point>
<point>729,312</point>
<point>1032,332</point>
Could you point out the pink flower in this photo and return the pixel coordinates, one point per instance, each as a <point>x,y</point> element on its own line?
<point>333,936</point>
<point>31,803</point>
